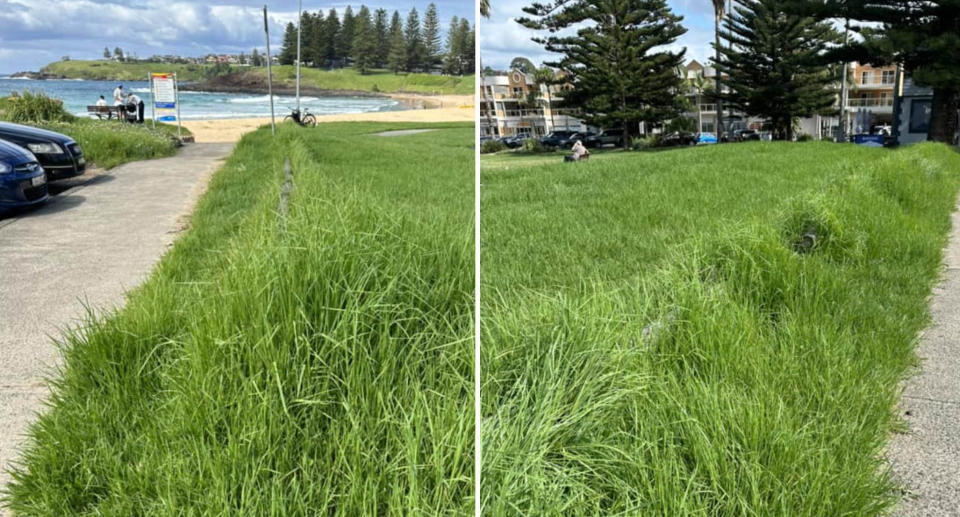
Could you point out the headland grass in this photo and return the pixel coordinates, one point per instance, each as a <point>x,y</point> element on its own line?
<point>313,363</point>
<point>706,331</point>
<point>346,79</point>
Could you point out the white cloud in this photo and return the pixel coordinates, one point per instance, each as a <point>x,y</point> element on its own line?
<point>34,32</point>
<point>500,38</point>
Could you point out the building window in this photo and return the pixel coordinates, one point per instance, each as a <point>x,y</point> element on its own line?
<point>866,77</point>
<point>887,77</point>
<point>706,127</point>
<point>920,110</point>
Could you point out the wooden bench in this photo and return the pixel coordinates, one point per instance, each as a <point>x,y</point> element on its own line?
<point>100,111</point>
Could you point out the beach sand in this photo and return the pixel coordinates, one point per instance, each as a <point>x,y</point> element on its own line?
<point>424,108</point>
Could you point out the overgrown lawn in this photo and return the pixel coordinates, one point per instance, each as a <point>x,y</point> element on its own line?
<point>707,331</point>
<point>318,363</point>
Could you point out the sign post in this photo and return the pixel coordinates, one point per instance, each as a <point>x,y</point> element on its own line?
<point>166,102</point>
<point>176,96</point>
<point>153,107</point>
<point>266,30</point>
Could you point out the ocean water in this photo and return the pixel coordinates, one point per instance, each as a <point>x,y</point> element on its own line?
<point>77,95</point>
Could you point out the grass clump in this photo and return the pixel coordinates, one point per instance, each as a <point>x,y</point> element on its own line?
<point>315,365</point>
<point>35,108</point>
<point>491,146</point>
<point>654,343</point>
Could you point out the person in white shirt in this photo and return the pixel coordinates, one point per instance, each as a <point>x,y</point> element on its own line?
<point>134,100</point>
<point>101,102</point>
<point>118,101</point>
<point>579,151</point>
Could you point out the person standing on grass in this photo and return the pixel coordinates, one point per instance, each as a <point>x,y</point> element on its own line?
<point>118,101</point>
<point>135,101</point>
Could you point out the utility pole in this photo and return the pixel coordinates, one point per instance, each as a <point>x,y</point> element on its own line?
<point>266,29</point>
<point>843,87</point>
<point>299,30</point>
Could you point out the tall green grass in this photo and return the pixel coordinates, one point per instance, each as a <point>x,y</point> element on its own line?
<point>319,364</point>
<point>658,339</point>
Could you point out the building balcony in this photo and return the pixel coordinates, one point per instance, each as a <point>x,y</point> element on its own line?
<point>875,84</point>
<point>871,102</point>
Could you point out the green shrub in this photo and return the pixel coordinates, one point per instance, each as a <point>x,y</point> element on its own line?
<point>36,108</point>
<point>804,138</point>
<point>491,146</point>
<point>645,142</point>
<point>533,145</point>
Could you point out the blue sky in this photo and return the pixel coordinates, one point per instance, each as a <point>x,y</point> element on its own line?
<point>35,32</point>
<point>501,39</point>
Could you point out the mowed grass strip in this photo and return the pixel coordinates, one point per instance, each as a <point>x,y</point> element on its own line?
<point>320,365</point>
<point>661,335</point>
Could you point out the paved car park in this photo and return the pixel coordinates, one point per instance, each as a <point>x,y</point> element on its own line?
<point>99,236</point>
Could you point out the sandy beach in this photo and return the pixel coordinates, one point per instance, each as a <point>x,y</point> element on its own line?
<point>424,108</point>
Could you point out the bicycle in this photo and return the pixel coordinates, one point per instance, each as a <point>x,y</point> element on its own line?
<point>306,119</point>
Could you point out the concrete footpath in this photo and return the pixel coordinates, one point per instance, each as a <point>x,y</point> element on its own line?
<point>88,245</point>
<point>927,459</point>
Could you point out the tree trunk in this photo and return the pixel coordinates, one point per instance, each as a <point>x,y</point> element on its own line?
<point>943,119</point>
<point>626,130</point>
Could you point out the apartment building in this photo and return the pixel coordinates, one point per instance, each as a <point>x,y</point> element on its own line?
<point>701,81</point>
<point>512,104</point>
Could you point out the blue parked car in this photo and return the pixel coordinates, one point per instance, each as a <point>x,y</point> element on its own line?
<point>706,138</point>
<point>23,182</point>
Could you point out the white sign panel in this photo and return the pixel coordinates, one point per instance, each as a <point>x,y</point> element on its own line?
<point>165,97</point>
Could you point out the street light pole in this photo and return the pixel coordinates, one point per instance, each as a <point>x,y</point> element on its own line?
<point>299,30</point>
<point>266,30</point>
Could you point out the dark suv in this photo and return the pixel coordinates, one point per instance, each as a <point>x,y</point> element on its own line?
<point>606,137</point>
<point>558,139</point>
<point>58,154</point>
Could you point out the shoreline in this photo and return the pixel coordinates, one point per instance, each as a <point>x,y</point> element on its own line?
<point>456,108</point>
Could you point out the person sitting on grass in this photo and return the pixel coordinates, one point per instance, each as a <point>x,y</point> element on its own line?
<point>579,151</point>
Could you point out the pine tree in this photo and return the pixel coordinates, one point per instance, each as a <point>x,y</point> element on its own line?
<point>316,36</point>
<point>382,30</point>
<point>288,53</point>
<point>620,71</point>
<point>414,39</point>
<point>397,58</point>
<point>118,53</point>
<point>451,60</point>
<point>771,65</point>
<point>345,40</point>
<point>106,53</point>
<point>431,37</point>
<point>332,36</point>
<point>523,64</point>
<point>255,59</point>
<point>242,59</point>
<point>922,35</point>
<point>467,42</point>
<point>364,46</point>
